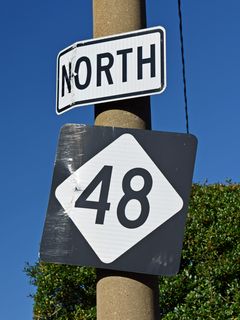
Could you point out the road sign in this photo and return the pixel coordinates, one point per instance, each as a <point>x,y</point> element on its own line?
<point>118,67</point>
<point>119,199</point>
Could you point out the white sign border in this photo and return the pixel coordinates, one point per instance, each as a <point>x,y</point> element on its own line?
<point>130,95</point>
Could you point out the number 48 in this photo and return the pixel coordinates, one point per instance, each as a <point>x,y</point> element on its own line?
<point>102,205</point>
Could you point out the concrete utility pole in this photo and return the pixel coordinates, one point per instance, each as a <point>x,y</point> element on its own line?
<point>122,295</point>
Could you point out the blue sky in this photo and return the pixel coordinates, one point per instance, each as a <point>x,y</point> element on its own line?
<point>32,34</point>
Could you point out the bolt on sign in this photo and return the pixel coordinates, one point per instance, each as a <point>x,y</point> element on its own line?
<point>122,66</point>
<point>119,199</point>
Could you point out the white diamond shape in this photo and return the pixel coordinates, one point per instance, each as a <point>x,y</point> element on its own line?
<point>111,239</point>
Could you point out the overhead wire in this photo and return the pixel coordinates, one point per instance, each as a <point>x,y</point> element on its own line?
<point>183,65</point>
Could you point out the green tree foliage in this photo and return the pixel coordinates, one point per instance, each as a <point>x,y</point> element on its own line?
<point>63,292</point>
<point>207,286</point>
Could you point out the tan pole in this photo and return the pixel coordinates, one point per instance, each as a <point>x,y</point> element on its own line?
<point>122,295</point>
<point>113,17</point>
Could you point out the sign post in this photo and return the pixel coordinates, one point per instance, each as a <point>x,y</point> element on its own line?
<point>119,195</point>
<point>122,295</point>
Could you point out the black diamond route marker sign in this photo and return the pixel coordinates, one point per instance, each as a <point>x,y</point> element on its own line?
<point>119,199</point>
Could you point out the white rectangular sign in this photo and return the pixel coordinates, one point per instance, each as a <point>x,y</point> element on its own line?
<point>112,68</point>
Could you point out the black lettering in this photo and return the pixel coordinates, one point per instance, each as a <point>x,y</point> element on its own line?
<point>104,68</point>
<point>103,177</point>
<point>124,62</point>
<point>66,78</point>
<point>79,85</point>
<point>142,61</point>
<point>140,195</point>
